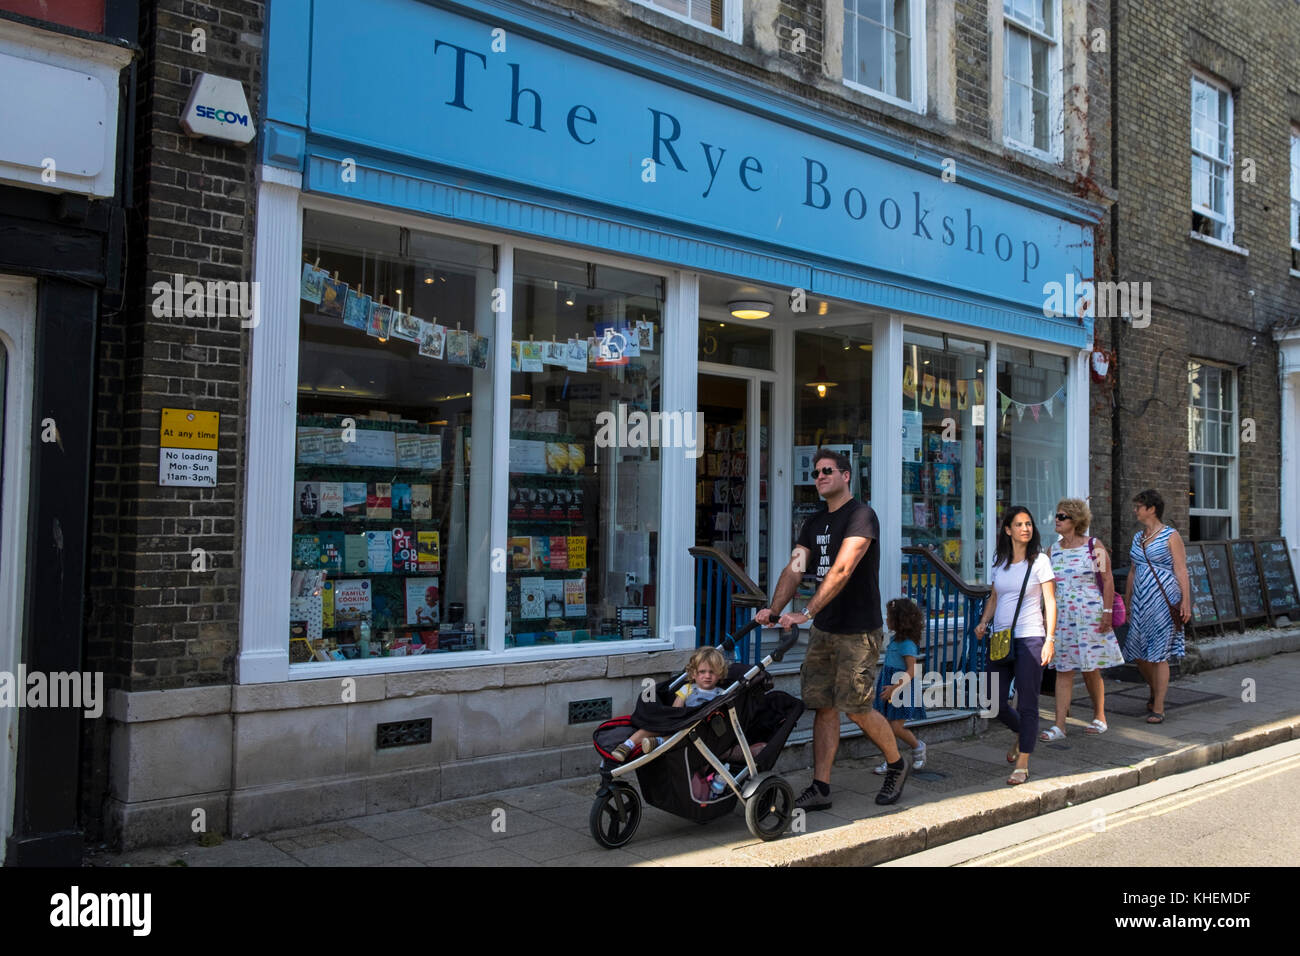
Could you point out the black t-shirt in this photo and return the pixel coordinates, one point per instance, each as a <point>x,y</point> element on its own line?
<point>856,608</point>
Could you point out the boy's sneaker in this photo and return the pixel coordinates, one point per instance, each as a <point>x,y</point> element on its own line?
<point>918,756</point>
<point>813,799</point>
<point>648,745</point>
<point>892,788</point>
<point>621,752</point>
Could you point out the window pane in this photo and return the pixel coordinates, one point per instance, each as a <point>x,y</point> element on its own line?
<point>1031,410</point>
<point>735,343</point>
<point>832,408</point>
<point>390,521</point>
<point>870,65</point>
<point>943,450</point>
<point>585,431</point>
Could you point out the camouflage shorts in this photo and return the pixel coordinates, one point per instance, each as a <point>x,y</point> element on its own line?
<point>840,670</point>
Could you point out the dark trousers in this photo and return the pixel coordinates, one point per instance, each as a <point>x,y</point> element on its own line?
<point>1028,673</point>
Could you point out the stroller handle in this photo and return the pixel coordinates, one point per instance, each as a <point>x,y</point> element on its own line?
<point>729,644</point>
<point>784,647</point>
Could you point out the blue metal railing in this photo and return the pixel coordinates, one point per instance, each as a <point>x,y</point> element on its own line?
<point>726,599</point>
<point>951,608</point>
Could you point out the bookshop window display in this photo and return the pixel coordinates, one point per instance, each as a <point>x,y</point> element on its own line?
<point>832,409</point>
<point>387,509</point>
<point>585,430</point>
<point>942,505</point>
<point>1031,411</point>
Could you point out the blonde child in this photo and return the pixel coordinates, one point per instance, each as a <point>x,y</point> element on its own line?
<point>904,618</point>
<point>705,671</point>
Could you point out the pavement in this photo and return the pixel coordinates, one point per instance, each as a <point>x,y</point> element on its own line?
<point>1212,715</point>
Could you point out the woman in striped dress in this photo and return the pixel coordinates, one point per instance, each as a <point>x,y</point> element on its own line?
<point>1156,589</point>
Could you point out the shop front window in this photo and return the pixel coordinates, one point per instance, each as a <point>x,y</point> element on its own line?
<point>586,431</point>
<point>943,448</point>
<point>390,518</point>
<point>832,409</point>
<point>1031,410</point>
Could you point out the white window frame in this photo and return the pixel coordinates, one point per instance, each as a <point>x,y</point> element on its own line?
<point>916,10</point>
<point>263,649</point>
<point>1232,457</point>
<point>1228,218</point>
<point>1295,191</point>
<point>733,20</point>
<point>1055,80</point>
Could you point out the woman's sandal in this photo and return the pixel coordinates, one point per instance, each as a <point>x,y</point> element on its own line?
<point>1018,776</point>
<point>1096,728</point>
<point>1154,718</point>
<point>1056,733</point>
<point>1013,754</point>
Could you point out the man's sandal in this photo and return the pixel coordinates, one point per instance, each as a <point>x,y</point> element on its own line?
<point>1018,776</point>
<point>1056,733</point>
<point>1154,718</point>
<point>1096,728</point>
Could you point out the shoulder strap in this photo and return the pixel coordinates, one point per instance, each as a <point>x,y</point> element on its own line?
<point>1015,617</point>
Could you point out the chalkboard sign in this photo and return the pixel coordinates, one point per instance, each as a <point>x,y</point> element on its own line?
<point>1250,589</point>
<point>1220,574</point>
<point>1204,612</point>
<point>1279,579</point>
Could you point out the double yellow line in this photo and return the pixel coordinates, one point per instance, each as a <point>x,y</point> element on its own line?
<point>1113,821</point>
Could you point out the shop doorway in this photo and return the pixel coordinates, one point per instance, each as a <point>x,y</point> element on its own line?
<point>733,472</point>
<point>17,329</point>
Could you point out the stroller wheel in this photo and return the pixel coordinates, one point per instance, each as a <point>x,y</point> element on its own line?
<point>769,808</point>
<point>615,815</point>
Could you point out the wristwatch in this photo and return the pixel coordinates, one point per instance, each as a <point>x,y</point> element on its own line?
<point>806,613</point>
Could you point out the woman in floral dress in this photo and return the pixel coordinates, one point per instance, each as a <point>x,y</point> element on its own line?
<point>1085,639</point>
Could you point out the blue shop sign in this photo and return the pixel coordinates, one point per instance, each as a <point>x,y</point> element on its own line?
<point>499,102</point>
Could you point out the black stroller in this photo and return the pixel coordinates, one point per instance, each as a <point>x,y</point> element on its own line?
<point>697,741</point>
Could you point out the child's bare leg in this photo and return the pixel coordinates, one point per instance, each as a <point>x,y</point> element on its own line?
<point>639,736</point>
<point>903,734</point>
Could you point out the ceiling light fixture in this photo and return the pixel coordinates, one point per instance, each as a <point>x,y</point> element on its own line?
<point>821,384</point>
<point>750,308</point>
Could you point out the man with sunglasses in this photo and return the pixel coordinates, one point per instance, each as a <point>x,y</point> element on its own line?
<point>847,634</point>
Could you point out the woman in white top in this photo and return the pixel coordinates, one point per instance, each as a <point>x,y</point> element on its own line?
<point>1020,564</point>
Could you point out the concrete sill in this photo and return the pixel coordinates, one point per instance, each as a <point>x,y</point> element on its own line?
<point>1218,244</point>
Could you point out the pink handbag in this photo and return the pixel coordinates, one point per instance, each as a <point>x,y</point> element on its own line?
<point>1119,613</point>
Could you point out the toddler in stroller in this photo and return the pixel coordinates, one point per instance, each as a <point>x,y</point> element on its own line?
<point>698,740</point>
<point>705,669</point>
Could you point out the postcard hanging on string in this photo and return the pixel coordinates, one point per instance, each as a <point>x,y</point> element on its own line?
<point>514,357</point>
<point>977,391</point>
<point>458,347</point>
<point>962,395</point>
<point>313,281</point>
<point>575,353</point>
<point>530,356</point>
<point>945,394</point>
<point>645,335</point>
<point>433,340</point>
<point>356,310</point>
<point>927,390</point>
<point>333,294</point>
<point>381,316</point>
<point>553,353</point>
<point>406,327</point>
<point>479,346</point>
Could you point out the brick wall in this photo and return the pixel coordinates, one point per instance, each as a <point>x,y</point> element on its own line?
<point>1204,309</point>
<point>804,15</point>
<point>152,622</point>
<point>972,51</point>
